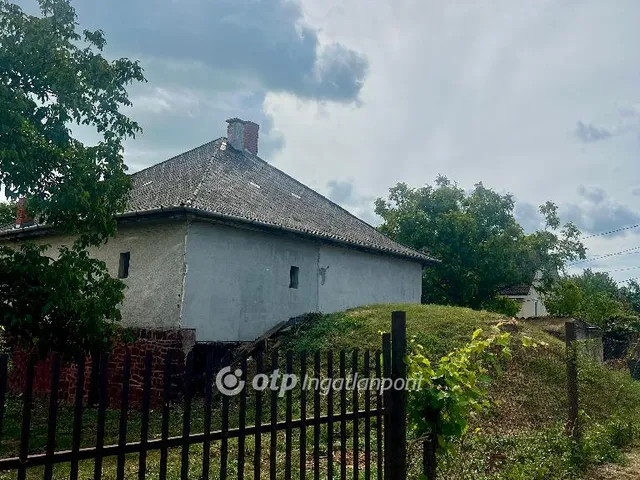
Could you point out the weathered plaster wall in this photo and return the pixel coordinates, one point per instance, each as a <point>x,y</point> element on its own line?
<point>531,305</point>
<point>236,281</point>
<point>237,284</point>
<point>156,270</point>
<point>354,278</point>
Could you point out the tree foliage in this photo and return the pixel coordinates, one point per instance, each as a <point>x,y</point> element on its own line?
<point>7,213</point>
<point>482,247</point>
<point>58,304</point>
<point>595,298</point>
<point>53,77</point>
<point>504,305</point>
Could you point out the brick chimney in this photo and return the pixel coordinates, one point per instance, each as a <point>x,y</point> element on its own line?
<point>22,217</point>
<point>243,135</point>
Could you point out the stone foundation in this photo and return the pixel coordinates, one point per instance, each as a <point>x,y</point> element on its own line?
<point>157,342</point>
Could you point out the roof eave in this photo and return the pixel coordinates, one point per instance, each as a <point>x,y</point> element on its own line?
<point>39,230</point>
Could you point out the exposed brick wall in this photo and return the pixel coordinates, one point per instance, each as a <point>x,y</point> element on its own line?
<point>157,342</point>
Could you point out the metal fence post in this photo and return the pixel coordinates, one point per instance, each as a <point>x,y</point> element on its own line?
<point>398,434</point>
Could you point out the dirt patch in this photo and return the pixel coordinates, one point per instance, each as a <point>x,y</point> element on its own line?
<point>631,471</point>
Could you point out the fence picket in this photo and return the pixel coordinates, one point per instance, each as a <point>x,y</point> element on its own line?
<point>303,419</point>
<point>77,417</point>
<point>355,408</point>
<point>242,421</point>
<point>224,444</point>
<point>257,454</point>
<point>386,371</point>
<point>208,388</point>
<point>102,411</point>
<point>330,416</point>
<point>186,415</point>
<point>124,411</point>
<point>316,418</point>
<point>166,401</point>
<point>273,416</point>
<point>27,400</point>
<point>53,412</point>
<point>343,416</point>
<point>379,459</point>
<point>144,426</point>
<point>288,419</point>
<point>367,418</point>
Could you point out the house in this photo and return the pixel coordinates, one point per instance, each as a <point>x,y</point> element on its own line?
<point>530,299</point>
<point>219,242</point>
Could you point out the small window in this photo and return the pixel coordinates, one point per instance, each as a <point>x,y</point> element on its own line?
<point>123,267</point>
<point>293,276</point>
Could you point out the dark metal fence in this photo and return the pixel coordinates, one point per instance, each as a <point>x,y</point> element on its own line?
<point>341,431</point>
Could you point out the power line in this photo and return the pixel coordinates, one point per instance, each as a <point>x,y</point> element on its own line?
<point>626,269</point>
<point>601,234</point>
<point>628,251</point>
<point>629,280</point>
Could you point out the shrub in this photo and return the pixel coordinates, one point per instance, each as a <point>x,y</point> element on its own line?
<point>503,305</point>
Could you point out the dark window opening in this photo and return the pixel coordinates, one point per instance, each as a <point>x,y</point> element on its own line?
<point>293,277</point>
<point>123,267</point>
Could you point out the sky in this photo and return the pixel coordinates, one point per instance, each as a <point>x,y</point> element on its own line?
<point>537,98</point>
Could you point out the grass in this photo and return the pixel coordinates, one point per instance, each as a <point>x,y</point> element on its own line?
<point>521,437</point>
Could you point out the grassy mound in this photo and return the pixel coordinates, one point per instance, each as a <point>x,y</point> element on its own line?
<point>522,435</point>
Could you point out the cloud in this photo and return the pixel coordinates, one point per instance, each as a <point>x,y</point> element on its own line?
<point>598,212</point>
<point>626,121</point>
<point>340,191</point>
<point>590,133</point>
<point>528,217</point>
<point>593,194</point>
<point>243,42</point>
<point>636,192</point>
<point>344,194</point>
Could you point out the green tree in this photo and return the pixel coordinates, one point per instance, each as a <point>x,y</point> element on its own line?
<point>631,295</point>
<point>593,297</point>
<point>53,77</point>
<point>475,234</point>
<point>7,213</point>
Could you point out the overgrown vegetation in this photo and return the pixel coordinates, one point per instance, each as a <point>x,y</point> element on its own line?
<point>522,435</point>
<point>595,297</point>
<point>504,305</point>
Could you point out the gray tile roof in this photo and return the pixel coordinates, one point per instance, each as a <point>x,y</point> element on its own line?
<point>516,290</point>
<point>215,178</point>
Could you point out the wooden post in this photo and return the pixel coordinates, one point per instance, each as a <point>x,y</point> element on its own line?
<point>398,434</point>
<point>573,424</point>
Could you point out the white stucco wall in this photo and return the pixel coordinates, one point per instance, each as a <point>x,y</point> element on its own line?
<point>528,308</point>
<point>156,270</point>
<point>355,278</point>
<point>237,282</point>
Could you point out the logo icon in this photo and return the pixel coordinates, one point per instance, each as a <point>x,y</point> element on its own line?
<point>229,382</point>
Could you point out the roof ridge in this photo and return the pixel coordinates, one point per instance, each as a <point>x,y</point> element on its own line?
<point>179,155</point>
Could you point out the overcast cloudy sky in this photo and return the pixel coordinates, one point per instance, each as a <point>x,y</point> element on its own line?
<point>540,98</point>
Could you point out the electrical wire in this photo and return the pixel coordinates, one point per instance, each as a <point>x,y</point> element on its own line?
<point>628,251</point>
<point>610,232</point>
